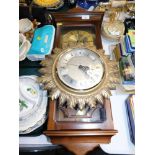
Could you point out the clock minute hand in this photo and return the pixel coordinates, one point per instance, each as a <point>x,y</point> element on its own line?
<point>83,68</point>
<point>72,64</point>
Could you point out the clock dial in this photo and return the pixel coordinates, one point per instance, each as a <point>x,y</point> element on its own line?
<point>75,37</point>
<point>80,68</point>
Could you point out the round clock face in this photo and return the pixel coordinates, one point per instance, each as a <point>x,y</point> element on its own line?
<point>80,68</point>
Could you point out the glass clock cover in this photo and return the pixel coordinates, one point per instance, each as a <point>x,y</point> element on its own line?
<point>80,69</point>
<point>72,36</point>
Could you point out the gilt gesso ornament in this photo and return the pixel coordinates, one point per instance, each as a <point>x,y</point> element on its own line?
<point>79,76</point>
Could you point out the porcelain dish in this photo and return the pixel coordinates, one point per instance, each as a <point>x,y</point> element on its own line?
<point>32,104</point>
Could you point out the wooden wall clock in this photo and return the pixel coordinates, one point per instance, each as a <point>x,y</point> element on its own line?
<point>78,27</point>
<point>79,77</point>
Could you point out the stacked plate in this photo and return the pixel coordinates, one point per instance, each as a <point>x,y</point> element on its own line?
<point>113,30</point>
<point>32,104</point>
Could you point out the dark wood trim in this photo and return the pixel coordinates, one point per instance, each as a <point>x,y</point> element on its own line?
<point>75,132</point>
<point>74,18</point>
<point>81,149</point>
<point>81,133</point>
<point>53,124</point>
<point>51,116</point>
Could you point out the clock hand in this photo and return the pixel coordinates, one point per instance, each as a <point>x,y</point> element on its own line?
<point>89,76</point>
<point>73,64</point>
<point>85,69</point>
<point>82,67</point>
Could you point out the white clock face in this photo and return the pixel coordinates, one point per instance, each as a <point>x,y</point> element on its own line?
<point>80,68</point>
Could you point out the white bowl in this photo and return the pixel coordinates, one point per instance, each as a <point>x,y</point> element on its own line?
<point>25,25</point>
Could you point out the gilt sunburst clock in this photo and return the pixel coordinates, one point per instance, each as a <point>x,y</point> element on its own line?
<point>79,75</point>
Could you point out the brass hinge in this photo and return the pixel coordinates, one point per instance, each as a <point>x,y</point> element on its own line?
<point>58,24</point>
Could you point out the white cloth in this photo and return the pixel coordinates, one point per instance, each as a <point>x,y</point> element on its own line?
<point>120,143</point>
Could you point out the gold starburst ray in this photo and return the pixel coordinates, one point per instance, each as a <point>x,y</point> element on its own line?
<point>58,89</point>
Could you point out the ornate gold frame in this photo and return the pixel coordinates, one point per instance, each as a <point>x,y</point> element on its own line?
<point>56,88</point>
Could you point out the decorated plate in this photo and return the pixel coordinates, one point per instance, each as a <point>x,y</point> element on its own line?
<point>113,30</point>
<point>35,120</point>
<point>32,104</point>
<point>30,96</point>
<point>29,89</point>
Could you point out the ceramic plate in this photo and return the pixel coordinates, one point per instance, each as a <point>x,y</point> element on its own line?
<point>30,95</point>
<point>27,104</point>
<point>35,120</point>
<point>32,104</point>
<point>29,88</point>
<point>113,30</point>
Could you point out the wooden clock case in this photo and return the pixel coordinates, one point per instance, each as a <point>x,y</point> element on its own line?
<point>78,18</point>
<point>79,136</point>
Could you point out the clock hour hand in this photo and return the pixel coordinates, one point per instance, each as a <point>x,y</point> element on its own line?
<point>85,69</point>
<point>81,67</point>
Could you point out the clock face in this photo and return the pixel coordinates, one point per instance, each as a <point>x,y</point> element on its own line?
<point>80,68</point>
<point>72,36</point>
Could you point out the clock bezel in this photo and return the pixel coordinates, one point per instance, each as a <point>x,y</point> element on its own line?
<point>57,89</point>
<point>74,89</point>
